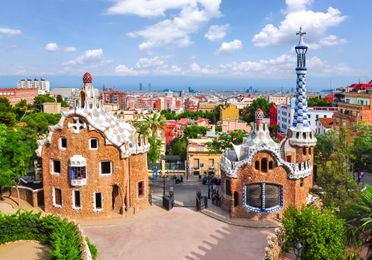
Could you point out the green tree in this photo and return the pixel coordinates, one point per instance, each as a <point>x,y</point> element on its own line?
<point>320,233</point>
<point>155,122</point>
<point>335,177</point>
<point>318,102</point>
<point>15,156</point>
<point>7,117</point>
<point>155,147</point>
<point>60,99</point>
<point>362,147</point>
<point>225,141</point>
<point>40,99</point>
<point>248,113</point>
<point>20,109</point>
<point>41,121</point>
<point>178,146</point>
<point>195,131</point>
<point>358,217</point>
<point>326,146</point>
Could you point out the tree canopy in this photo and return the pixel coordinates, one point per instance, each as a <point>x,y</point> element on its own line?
<point>7,117</point>
<point>195,131</point>
<point>320,233</point>
<point>318,102</point>
<point>225,141</point>
<point>248,113</point>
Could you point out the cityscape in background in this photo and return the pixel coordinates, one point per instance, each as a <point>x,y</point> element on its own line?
<point>187,129</point>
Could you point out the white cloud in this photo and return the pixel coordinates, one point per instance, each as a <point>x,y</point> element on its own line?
<point>90,57</point>
<point>229,47</point>
<point>9,31</point>
<point>315,24</point>
<point>145,8</point>
<point>52,46</point>
<point>193,14</point>
<point>70,49</point>
<point>155,65</point>
<point>216,32</point>
<point>202,70</point>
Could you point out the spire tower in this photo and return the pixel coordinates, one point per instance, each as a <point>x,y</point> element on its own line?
<point>300,133</point>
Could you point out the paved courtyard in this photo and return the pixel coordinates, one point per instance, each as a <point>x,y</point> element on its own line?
<point>181,233</point>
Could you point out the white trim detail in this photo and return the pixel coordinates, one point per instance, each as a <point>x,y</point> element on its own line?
<point>60,143</point>
<point>52,167</point>
<point>94,202</point>
<point>73,200</point>
<point>54,198</point>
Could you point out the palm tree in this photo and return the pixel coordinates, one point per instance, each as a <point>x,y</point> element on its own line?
<point>358,217</point>
<point>155,123</point>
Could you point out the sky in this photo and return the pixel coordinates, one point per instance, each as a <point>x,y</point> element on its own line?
<point>205,44</point>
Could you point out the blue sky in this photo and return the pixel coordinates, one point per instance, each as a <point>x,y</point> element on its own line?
<point>207,44</point>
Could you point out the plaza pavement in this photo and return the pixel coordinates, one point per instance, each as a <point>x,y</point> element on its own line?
<point>181,233</point>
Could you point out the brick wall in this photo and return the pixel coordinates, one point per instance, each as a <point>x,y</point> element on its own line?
<point>15,95</point>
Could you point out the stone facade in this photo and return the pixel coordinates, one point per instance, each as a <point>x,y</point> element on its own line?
<point>91,172</point>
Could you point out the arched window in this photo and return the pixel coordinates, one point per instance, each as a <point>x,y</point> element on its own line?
<point>304,151</point>
<point>310,150</point>
<point>236,199</point>
<point>264,196</point>
<point>304,135</point>
<point>271,165</point>
<point>257,165</point>
<point>263,165</point>
<point>298,135</point>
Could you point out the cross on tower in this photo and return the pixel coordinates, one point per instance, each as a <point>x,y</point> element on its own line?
<point>301,33</point>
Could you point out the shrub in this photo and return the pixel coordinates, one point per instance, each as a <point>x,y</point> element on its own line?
<point>92,248</point>
<point>320,233</point>
<point>61,235</point>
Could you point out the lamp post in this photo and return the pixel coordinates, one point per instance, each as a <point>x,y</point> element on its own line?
<point>164,184</point>
<point>209,185</point>
<point>297,247</point>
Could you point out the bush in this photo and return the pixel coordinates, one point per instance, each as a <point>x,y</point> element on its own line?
<point>92,248</point>
<point>59,234</point>
<point>320,233</point>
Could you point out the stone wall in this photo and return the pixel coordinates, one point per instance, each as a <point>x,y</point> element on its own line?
<point>25,193</point>
<point>274,244</point>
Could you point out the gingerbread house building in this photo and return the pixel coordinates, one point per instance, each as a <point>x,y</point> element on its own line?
<point>261,178</point>
<point>92,164</point>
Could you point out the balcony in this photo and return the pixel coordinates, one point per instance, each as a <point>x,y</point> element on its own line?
<point>78,182</point>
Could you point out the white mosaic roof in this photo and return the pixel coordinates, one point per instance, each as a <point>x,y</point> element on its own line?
<point>118,133</point>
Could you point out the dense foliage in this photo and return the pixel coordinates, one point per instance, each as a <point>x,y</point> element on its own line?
<point>321,234</point>
<point>61,235</point>
<point>20,127</point>
<point>318,102</point>
<point>358,217</point>
<point>248,113</point>
<point>178,146</point>
<point>338,161</point>
<point>17,148</point>
<point>225,141</point>
<point>195,131</point>
<point>213,116</point>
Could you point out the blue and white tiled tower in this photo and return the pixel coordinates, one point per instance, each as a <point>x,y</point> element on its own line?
<point>300,133</point>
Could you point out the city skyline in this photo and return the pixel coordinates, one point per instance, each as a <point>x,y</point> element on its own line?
<point>199,43</point>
